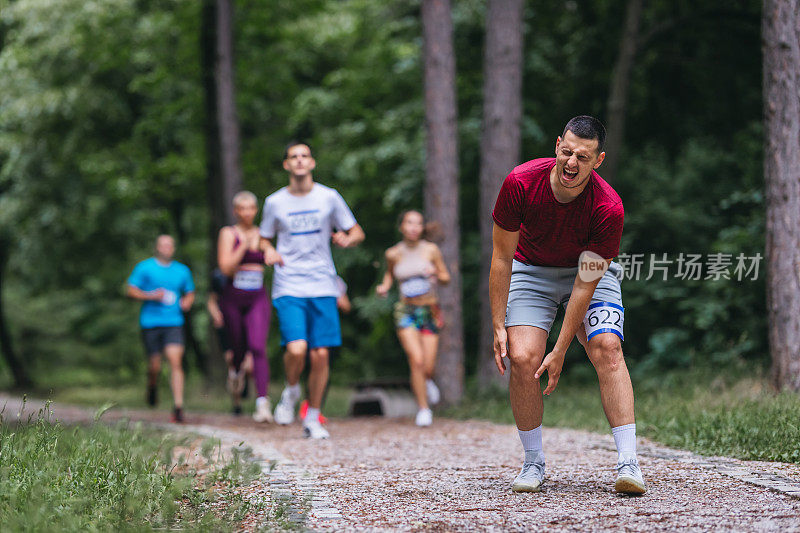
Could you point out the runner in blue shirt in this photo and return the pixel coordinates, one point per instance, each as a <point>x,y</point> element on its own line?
<point>167,291</point>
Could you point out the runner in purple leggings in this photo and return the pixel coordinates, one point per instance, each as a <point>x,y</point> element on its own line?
<point>244,301</point>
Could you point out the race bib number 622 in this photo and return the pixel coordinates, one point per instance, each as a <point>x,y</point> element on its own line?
<point>604,317</point>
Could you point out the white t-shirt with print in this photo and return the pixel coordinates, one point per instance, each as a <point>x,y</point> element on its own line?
<point>303,226</point>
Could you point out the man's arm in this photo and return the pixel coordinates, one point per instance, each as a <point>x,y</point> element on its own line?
<point>146,296</point>
<point>579,300</point>
<point>187,300</point>
<point>349,238</point>
<point>271,255</point>
<point>504,244</point>
<point>343,303</point>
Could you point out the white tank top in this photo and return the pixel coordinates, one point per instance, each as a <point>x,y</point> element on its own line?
<point>412,271</point>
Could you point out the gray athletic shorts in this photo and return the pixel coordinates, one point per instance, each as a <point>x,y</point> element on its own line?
<point>537,291</point>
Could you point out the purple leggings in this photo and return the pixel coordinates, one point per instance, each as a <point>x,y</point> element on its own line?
<point>247,323</point>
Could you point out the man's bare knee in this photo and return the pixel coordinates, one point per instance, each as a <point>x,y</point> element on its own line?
<point>319,356</point>
<point>525,359</point>
<point>297,349</point>
<point>605,353</point>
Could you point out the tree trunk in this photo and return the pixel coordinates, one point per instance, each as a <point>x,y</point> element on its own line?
<point>500,144</point>
<point>214,182</point>
<point>226,108</point>
<point>214,186</point>
<point>441,183</point>
<point>781,48</point>
<point>617,107</point>
<point>21,378</point>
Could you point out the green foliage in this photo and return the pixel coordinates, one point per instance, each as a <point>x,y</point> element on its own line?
<point>102,147</point>
<point>100,478</point>
<point>676,322</point>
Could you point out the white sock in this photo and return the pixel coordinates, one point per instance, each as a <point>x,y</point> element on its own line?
<point>260,401</point>
<point>292,392</point>
<point>625,439</point>
<point>312,415</point>
<point>532,440</point>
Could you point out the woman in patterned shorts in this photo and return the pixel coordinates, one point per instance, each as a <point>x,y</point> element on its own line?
<point>418,267</point>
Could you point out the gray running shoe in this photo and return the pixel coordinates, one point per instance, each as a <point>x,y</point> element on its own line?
<point>629,476</point>
<point>531,477</point>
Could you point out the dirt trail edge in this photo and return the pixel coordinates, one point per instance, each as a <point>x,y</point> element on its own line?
<point>378,474</point>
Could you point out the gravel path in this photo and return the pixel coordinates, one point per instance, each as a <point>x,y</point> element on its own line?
<point>379,474</point>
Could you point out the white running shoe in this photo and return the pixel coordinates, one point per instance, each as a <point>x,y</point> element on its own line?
<point>629,476</point>
<point>432,391</point>
<point>531,477</point>
<point>424,417</point>
<point>284,411</point>
<point>312,429</point>
<point>263,412</point>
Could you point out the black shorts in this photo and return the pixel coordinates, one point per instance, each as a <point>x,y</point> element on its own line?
<point>156,338</point>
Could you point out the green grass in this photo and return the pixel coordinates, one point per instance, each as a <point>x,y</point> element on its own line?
<point>699,410</point>
<point>199,396</point>
<point>124,478</point>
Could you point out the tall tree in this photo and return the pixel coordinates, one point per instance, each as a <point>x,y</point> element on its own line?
<point>781,49</point>
<point>500,142</point>
<point>219,213</point>
<point>18,372</point>
<point>441,182</point>
<point>617,107</point>
<point>228,123</point>
<point>208,62</point>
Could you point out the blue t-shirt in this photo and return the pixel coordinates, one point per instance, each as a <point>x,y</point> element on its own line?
<point>175,279</point>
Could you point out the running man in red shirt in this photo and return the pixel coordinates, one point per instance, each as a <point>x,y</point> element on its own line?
<point>557,227</point>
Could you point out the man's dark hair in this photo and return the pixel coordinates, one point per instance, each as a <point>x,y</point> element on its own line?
<point>292,144</point>
<point>587,127</point>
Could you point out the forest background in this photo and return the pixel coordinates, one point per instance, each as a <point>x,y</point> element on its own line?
<point>103,145</point>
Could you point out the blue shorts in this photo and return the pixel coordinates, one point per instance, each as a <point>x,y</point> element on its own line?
<point>314,320</point>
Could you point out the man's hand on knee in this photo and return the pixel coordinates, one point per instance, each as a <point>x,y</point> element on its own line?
<point>552,363</point>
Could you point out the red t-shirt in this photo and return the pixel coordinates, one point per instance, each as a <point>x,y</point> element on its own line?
<point>552,233</point>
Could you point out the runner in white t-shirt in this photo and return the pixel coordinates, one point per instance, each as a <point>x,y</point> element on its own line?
<point>304,290</point>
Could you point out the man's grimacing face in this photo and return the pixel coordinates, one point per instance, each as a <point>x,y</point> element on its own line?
<point>575,159</point>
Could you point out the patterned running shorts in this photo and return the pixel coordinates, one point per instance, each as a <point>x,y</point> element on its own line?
<point>426,318</point>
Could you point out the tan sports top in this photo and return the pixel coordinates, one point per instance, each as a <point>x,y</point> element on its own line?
<point>413,271</point>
